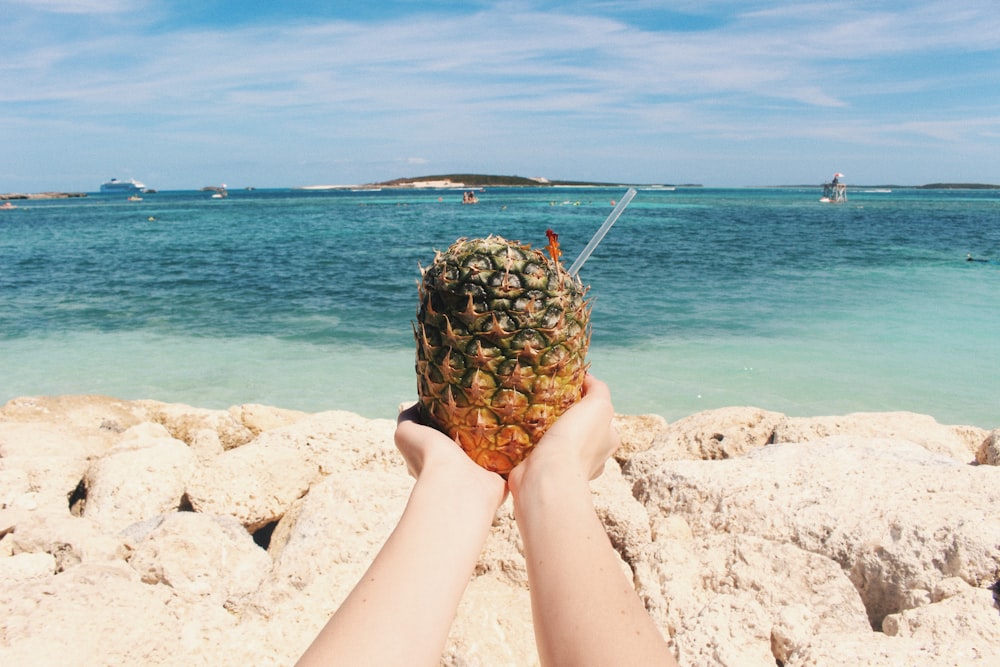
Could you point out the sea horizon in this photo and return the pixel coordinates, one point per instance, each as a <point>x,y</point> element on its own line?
<point>494,181</point>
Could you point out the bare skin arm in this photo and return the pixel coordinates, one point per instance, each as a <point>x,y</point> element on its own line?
<point>584,608</point>
<point>401,610</point>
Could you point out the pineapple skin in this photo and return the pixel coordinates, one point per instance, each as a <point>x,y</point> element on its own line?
<point>502,334</point>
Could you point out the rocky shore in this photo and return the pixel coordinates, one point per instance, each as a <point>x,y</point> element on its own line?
<point>147,533</point>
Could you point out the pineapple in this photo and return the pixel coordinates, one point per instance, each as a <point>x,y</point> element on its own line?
<point>502,334</point>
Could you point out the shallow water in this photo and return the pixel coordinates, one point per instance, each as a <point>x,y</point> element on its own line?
<point>703,298</point>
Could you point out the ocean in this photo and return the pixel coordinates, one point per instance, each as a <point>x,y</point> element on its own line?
<point>703,298</point>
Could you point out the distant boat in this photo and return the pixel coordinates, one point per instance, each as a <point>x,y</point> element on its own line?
<point>834,192</point>
<point>131,186</point>
<point>218,191</point>
<point>135,198</point>
<point>7,206</point>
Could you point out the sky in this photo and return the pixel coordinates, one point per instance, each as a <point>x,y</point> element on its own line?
<point>723,93</point>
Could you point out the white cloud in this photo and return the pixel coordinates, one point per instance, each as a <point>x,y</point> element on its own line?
<point>505,80</point>
<point>78,6</point>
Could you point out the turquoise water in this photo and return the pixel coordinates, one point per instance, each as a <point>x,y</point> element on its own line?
<point>703,298</point>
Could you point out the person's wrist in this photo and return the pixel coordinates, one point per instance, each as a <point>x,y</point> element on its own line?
<point>542,472</point>
<point>465,483</point>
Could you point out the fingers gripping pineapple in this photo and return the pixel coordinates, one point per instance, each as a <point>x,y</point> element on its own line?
<point>502,333</point>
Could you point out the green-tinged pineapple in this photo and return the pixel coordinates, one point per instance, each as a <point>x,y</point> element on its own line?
<point>502,335</point>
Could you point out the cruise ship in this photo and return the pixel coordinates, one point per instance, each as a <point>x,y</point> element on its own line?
<point>130,186</point>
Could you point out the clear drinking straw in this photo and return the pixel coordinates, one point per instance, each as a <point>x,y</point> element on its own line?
<point>585,255</point>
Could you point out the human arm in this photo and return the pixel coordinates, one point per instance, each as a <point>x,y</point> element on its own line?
<point>585,610</point>
<point>401,610</point>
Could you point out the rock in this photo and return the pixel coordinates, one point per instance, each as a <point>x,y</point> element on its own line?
<point>492,626</point>
<point>728,630</point>
<point>46,445</point>
<point>718,434</point>
<point>23,566</point>
<point>260,418</point>
<point>203,430</point>
<point>201,556</point>
<point>87,421</point>
<point>104,615</point>
<point>321,547</point>
<point>878,650</point>
<point>989,451</point>
<point>624,518</point>
<point>971,614</point>
<point>16,488</point>
<point>144,533</point>
<point>339,521</point>
<point>258,482</point>
<point>958,442</point>
<point>895,517</point>
<point>143,476</point>
<point>70,540</point>
<point>638,433</point>
<point>503,554</point>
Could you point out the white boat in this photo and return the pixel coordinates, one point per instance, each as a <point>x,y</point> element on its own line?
<point>834,192</point>
<point>218,191</point>
<point>131,186</point>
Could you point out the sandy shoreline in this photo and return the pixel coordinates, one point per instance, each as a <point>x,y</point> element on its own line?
<point>148,533</point>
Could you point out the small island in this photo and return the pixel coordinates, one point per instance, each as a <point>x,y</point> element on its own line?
<point>958,186</point>
<point>487,180</point>
<point>42,195</point>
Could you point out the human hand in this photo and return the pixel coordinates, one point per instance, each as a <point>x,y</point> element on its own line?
<point>580,441</point>
<point>429,452</point>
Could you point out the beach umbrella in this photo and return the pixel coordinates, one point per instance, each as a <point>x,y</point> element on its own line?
<point>838,175</point>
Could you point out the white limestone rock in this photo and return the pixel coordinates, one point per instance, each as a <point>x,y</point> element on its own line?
<point>989,451</point>
<point>68,539</point>
<point>143,476</point>
<point>47,444</point>
<point>20,567</point>
<point>493,626</point>
<point>503,554</point>
<point>970,614</point>
<point>102,614</point>
<point>638,432</point>
<point>201,556</point>
<point>895,517</point>
<point>41,465</point>
<point>746,548</point>
<point>258,482</point>
<point>957,442</point>
<point>345,518</point>
<point>625,520</point>
<point>718,434</point>
<point>259,418</point>
<point>196,426</point>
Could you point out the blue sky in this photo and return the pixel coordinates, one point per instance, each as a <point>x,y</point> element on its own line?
<point>273,94</point>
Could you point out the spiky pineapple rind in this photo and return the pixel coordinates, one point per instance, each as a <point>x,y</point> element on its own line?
<point>502,336</point>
